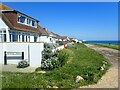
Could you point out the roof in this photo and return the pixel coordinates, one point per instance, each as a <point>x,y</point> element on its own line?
<point>50,33</point>
<point>7,13</point>
<point>12,23</point>
<point>42,30</point>
<point>4,7</point>
<point>64,37</point>
<point>57,35</point>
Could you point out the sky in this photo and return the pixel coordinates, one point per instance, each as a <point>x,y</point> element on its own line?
<point>81,20</point>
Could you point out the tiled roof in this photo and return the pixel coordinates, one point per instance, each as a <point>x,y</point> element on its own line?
<point>12,23</point>
<point>4,7</point>
<point>57,35</point>
<point>64,37</point>
<point>9,16</point>
<point>42,31</point>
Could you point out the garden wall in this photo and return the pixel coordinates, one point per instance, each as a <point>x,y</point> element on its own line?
<point>60,47</point>
<point>32,52</point>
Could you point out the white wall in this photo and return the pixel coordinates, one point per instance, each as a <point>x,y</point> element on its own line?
<point>36,54</point>
<point>32,52</point>
<point>2,24</point>
<point>47,39</point>
<point>4,27</point>
<point>31,38</point>
<point>43,39</point>
<point>1,53</point>
<point>60,47</point>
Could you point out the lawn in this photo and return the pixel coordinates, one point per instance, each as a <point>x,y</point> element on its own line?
<point>82,61</point>
<point>113,46</point>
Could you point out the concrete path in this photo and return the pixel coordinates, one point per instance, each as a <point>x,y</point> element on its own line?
<point>13,68</point>
<point>110,79</point>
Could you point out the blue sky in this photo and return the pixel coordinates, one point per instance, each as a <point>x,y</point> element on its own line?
<point>82,20</point>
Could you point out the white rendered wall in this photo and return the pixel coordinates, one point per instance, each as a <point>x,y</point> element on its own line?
<point>4,27</point>
<point>60,47</point>
<point>36,54</point>
<point>47,39</point>
<point>43,39</point>
<point>1,53</point>
<point>32,52</point>
<point>2,24</point>
<point>31,38</point>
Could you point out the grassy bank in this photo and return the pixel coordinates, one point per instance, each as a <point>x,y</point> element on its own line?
<point>113,46</point>
<point>82,61</point>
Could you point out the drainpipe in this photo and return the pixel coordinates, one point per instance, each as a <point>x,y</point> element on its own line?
<point>28,54</point>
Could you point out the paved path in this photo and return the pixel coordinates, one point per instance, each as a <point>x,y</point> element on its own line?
<point>110,79</point>
<point>13,68</point>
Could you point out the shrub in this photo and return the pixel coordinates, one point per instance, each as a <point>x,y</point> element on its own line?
<point>62,57</point>
<point>51,60</point>
<point>22,64</point>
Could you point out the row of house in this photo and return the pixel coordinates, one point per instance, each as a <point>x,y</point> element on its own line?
<point>16,26</point>
<point>23,38</point>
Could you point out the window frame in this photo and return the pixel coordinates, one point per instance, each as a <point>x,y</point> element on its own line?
<point>28,21</point>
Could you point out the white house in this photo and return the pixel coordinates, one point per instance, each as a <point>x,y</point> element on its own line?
<point>21,28</point>
<point>22,36</point>
<point>76,40</point>
<point>46,36</point>
<point>65,38</point>
<point>19,33</point>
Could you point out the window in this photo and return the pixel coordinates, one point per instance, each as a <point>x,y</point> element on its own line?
<point>23,38</point>
<point>26,38</point>
<point>35,38</point>
<point>50,39</point>
<point>19,36</point>
<point>28,21</point>
<point>10,37</point>
<point>1,36</point>
<point>5,38</point>
<point>33,23</point>
<point>21,19</point>
<point>14,36</point>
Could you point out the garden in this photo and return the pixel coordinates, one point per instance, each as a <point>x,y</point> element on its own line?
<point>71,67</point>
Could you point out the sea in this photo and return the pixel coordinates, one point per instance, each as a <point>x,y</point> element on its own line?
<point>103,42</point>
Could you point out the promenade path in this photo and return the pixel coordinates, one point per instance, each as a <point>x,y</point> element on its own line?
<point>110,79</point>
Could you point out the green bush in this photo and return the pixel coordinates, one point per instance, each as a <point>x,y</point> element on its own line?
<point>22,64</point>
<point>62,57</point>
<point>49,57</point>
<point>51,60</point>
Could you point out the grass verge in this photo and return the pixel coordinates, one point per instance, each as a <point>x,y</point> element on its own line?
<point>113,46</point>
<point>82,61</point>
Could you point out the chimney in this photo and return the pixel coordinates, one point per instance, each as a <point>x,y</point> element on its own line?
<point>45,29</point>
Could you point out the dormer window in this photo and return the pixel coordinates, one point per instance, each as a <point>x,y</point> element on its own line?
<point>21,19</point>
<point>33,23</point>
<point>26,20</point>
